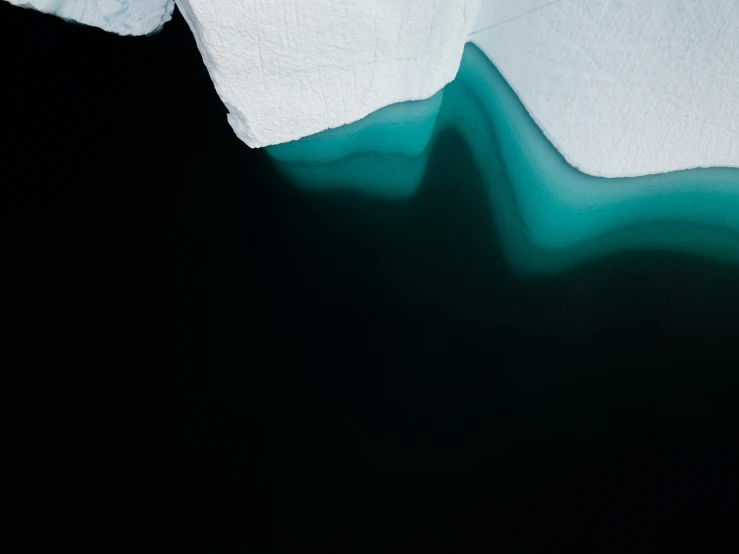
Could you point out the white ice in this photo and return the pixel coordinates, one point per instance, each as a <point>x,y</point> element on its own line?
<point>123,17</point>
<point>286,69</point>
<point>621,88</point>
<point>627,87</point>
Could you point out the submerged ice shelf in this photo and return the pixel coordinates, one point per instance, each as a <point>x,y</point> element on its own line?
<point>596,126</point>
<point>549,214</point>
<point>123,17</point>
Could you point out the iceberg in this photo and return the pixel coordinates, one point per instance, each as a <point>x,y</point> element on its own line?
<point>286,69</point>
<point>596,126</point>
<point>123,17</point>
<point>625,88</point>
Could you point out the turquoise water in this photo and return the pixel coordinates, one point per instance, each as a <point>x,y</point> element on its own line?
<point>549,215</point>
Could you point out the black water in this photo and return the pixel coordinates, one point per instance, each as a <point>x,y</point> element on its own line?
<point>200,355</point>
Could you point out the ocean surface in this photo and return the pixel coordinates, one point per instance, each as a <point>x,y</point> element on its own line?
<point>203,352</point>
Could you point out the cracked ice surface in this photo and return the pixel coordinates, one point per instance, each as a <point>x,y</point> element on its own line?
<point>123,17</point>
<point>286,69</point>
<point>623,88</point>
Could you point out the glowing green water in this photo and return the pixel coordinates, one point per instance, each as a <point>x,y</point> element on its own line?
<point>549,215</point>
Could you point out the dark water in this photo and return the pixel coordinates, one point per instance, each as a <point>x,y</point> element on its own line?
<point>200,354</point>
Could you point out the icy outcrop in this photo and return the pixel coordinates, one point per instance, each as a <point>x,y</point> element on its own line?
<point>123,17</point>
<point>286,69</point>
<point>624,88</point>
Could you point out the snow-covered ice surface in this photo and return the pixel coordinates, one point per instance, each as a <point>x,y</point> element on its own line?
<point>623,88</point>
<point>286,69</point>
<point>123,17</point>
